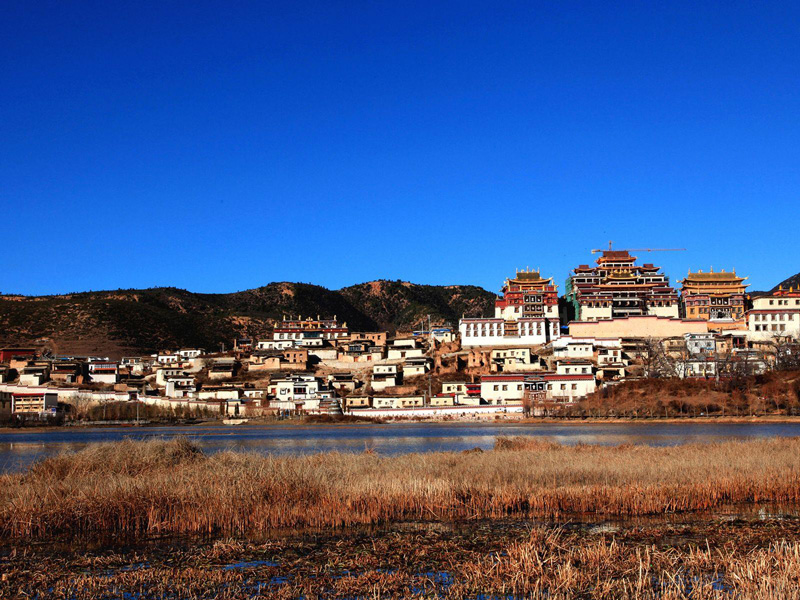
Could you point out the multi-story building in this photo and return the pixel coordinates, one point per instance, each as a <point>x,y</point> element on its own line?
<point>527,296</point>
<point>616,287</point>
<point>301,330</point>
<point>713,296</point>
<point>526,314</point>
<point>775,315</point>
<point>30,403</point>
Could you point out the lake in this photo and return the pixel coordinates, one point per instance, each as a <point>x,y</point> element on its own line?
<point>19,449</point>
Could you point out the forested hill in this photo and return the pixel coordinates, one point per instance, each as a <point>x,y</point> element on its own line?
<point>127,321</point>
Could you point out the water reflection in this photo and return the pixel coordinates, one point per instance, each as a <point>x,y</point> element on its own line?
<point>20,448</point>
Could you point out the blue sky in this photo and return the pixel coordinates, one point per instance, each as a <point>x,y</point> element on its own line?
<point>218,146</point>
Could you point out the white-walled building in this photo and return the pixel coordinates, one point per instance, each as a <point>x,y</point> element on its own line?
<point>498,332</point>
<point>775,316</point>
<point>575,349</point>
<point>503,388</point>
<point>164,373</point>
<point>700,343</point>
<point>104,372</point>
<point>403,352</point>
<point>179,386</point>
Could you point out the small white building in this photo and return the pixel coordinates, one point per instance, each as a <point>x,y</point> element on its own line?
<point>179,386</point>
<point>403,352</point>
<point>298,392</point>
<point>34,374</point>
<point>167,358</point>
<point>104,372</point>
<point>385,376</point>
<point>164,373</point>
<point>700,343</point>
<point>413,367</point>
<point>574,349</point>
<point>505,388</point>
<point>510,359</point>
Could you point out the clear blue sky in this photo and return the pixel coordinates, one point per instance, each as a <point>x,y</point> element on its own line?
<point>220,146</point>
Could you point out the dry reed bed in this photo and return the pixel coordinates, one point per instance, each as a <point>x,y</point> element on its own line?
<point>171,487</point>
<point>548,564</point>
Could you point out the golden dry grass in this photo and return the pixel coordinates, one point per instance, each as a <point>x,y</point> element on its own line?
<point>170,486</point>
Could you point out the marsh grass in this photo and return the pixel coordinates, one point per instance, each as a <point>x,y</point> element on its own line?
<point>172,487</point>
<point>541,562</point>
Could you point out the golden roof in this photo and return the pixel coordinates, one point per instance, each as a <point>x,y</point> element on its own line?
<point>717,277</point>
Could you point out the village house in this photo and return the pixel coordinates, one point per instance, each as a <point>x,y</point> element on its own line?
<point>359,351</point>
<point>219,392</point>
<point>17,358</point>
<point>344,382</point>
<point>136,365</point>
<point>443,400</point>
<point>378,338</point>
<point>351,402</point>
<point>274,344</point>
<point>167,358</point>
<point>442,335</point>
<point>454,387</point>
<point>180,386</point>
<point>571,381</point>
<point>5,374</point>
<point>700,343</point>
<point>40,403</point>
<point>415,366</point>
<point>275,360</point>
<point>265,360</point>
<point>164,373</point>
<point>611,355</point>
<point>384,376</point>
<point>297,392</point>
<point>222,368</point>
<point>34,373</point>
<point>104,372</point>
<point>19,363</point>
<point>574,367</point>
<point>462,392</point>
<point>513,359</point>
<point>398,401</point>
<point>730,340</point>
<point>503,388</point>
<point>67,371</point>
<point>404,348</point>
<point>697,367</point>
<point>575,349</point>
<point>190,353</point>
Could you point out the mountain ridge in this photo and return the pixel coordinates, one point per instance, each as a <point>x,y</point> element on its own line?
<point>116,322</point>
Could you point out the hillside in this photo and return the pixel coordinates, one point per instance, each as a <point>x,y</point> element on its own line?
<point>128,321</point>
<point>793,281</point>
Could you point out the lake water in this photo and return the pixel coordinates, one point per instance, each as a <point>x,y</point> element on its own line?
<point>19,449</point>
